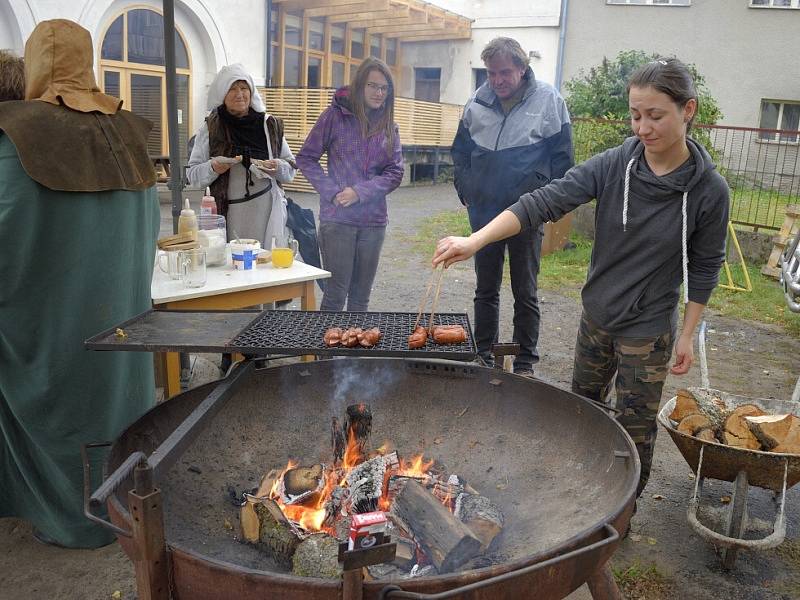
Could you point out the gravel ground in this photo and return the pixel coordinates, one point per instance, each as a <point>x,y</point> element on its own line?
<point>744,358</point>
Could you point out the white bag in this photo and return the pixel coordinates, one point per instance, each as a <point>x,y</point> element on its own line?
<point>276,226</point>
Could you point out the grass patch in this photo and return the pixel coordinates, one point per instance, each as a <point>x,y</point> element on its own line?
<point>637,581</point>
<point>451,222</point>
<point>760,207</point>
<point>764,304</point>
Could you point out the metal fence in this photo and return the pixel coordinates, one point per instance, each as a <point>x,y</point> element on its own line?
<point>762,166</point>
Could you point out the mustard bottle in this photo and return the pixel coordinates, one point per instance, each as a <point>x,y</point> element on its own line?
<point>188,219</point>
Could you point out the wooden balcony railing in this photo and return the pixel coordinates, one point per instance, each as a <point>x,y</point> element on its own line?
<point>421,123</point>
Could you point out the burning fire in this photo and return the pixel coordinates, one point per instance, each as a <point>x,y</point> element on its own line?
<point>311,514</point>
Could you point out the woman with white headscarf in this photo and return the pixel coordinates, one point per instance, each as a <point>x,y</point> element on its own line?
<point>241,154</point>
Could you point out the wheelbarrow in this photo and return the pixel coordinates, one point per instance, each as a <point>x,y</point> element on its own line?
<point>742,467</point>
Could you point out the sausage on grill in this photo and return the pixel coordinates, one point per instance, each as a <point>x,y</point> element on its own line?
<point>418,338</point>
<point>350,337</point>
<point>370,337</point>
<point>449,334</point>
<point>333,336</point>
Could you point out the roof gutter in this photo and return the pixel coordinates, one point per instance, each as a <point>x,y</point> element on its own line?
<point>562,34</point>
<point>268,51</point>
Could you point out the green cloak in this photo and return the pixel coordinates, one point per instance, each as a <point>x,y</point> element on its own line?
<point>73,264</point>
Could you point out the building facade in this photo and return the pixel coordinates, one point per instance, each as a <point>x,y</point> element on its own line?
<point>313,43</point>
<point>744,48</point>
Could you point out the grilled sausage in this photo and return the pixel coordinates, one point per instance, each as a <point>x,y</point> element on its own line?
<point>333,336</point>
<point>370,337</point>
<point>350,337</point>
<point>449,334</point>
<point>418,338</point>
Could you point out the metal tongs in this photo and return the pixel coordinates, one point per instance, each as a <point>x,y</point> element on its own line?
<point>437,279</point>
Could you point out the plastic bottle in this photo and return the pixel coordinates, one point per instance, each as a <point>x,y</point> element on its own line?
<point>208,206</point>
<point>188,220</point>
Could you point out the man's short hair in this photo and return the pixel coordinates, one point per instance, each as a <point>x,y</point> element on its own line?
<point>12,76</point>
<point>509,47</point>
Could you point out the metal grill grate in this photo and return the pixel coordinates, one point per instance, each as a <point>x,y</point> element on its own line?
<point>301,332</point>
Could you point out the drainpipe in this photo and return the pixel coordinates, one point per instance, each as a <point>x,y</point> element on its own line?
<point>562,34</point>
<point>176,170</point>
<point>268,53</point>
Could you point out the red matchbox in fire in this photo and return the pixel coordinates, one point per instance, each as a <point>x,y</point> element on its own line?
<point>366,530</point>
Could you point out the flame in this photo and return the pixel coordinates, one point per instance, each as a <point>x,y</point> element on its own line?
<point>352,454</point>
<point>416,467</point>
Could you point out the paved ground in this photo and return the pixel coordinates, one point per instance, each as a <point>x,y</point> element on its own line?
<point>744,358</point>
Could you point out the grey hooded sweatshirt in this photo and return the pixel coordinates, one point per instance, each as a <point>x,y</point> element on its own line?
<point>651,233</point>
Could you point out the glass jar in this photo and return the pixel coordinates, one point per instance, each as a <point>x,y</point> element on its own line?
<point>212,236</point>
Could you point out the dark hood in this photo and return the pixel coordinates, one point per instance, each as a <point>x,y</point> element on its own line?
<point>682,179</point>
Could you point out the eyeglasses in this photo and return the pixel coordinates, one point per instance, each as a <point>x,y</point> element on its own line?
<point>383,89</point>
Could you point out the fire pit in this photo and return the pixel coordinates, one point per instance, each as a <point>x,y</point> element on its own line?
<point>562,472</point>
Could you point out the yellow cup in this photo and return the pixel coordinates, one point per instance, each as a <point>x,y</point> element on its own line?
<point>282,258</point>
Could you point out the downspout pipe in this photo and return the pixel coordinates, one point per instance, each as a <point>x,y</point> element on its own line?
<point>268,52</point>
<point>176,169</point>
<point>562,34</point>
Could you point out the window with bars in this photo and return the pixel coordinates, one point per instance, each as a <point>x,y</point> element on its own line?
<point>780,115</point>
<point>652,2</point>
<point>775,3</point>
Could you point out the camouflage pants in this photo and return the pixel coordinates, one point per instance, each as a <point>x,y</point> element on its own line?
<point>640,365</point>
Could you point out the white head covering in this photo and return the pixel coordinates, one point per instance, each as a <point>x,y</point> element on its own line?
<point>222,84</point>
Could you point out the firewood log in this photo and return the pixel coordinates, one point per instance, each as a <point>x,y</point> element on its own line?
<point>771,430</point>
<point>446,540</point>
<point>317,556</point>
<point>275,532</point>
<point>481,515</point>
<point>711,406</point>
<point>248,519</point>
<point>748,410</point>
<point>302,480</point>
<point>691,424</point>
<point>737,433</point>
<point>685,405</point>
<point>791,443</point>
<point>706,434</point>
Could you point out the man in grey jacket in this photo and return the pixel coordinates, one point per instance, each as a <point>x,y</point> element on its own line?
<point>514,137</point>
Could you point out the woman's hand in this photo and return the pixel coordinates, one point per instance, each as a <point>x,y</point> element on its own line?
<point>270,167</point>
<point>346,197</point>
<point>684,355</point>
<point>454,249</point>
<point>219,168</point>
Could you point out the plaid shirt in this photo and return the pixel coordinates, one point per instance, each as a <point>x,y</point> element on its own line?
<point>363,164</point>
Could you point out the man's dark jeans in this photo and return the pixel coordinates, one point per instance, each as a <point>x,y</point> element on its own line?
<point>524,255</point>
<point>351,254</point>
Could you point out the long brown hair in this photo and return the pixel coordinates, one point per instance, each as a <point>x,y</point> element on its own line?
<point>386,121</point>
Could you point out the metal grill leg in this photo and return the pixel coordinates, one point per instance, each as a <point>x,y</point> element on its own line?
<point>602,584</point>
<point>150,562</point>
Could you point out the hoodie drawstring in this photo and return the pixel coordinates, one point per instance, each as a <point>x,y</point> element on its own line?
<point>684,244</point>
<point>625,194</point>
<point>685,251</point>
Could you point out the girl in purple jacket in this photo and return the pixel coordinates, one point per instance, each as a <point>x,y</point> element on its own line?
<point>365,163</point>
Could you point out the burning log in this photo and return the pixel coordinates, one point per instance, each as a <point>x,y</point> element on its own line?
<point>338,441</point>
<point>366,485</point>
<point>358,425</point>
<point>447,541</point>
<point>317,556</point>
<point>301,484</point>
<point>275,531</point>
<point>482,517</point>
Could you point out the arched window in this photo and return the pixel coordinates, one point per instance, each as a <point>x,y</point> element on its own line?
<point>132,68</point>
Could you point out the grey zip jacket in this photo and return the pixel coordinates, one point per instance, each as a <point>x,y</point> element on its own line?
<point>651,233</point>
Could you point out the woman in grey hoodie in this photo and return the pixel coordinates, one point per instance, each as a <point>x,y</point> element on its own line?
<point>661,220</point>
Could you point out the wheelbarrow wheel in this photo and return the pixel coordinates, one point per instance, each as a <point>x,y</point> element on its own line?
<point>737,518</point>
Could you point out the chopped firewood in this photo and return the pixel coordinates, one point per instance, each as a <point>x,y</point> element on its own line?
<point>275,531</point>
<point>266,484</point>
<point>694,423</point>
<point>317,556</point>
<point>333,505</point>
<point>405,554</point>
<point>383,571</point>
<point>748,410</point>
<point>302,480</point>
<point>482,517</point>
<point>737,433</point>
<point>706,434</point>
<point>791,443</point>
<point>685,405</point>
<point>771,430</point>
<point>248,519</point>
<point>446,540</point>
<point>711,406</point>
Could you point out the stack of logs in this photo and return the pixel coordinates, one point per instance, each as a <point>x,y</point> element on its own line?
<point>439,522</point>
<point>702,414</point>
